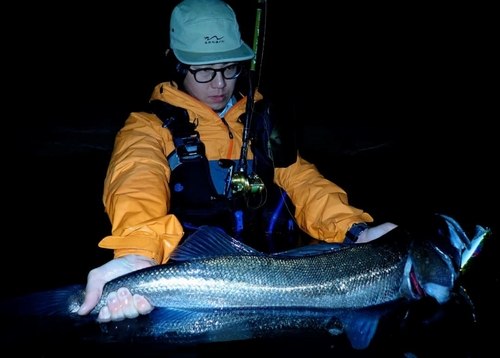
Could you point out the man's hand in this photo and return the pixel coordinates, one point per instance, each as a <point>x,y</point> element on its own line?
<point>375,232</point>
<point>120,304</point>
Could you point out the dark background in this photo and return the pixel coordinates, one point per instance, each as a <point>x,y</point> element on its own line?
<point>393,102</point>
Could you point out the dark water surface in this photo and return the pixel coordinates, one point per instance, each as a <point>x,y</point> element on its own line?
<point>56,219</point>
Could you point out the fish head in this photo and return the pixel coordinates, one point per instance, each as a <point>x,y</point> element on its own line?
<point>436,258</point>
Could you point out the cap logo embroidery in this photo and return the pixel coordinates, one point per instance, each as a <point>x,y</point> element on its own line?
<point>214,40</point>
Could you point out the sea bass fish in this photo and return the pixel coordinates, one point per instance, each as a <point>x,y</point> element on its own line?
<point>215,288</point>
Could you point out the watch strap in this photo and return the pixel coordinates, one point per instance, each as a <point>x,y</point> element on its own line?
<point>355,230</point>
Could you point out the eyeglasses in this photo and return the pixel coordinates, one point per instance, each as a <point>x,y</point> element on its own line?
<point>204,75</point>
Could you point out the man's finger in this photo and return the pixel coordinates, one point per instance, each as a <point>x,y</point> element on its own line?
<point>104,315</point>
<point>115,307</point>
<point>127,303</point>
<point>142,305</point>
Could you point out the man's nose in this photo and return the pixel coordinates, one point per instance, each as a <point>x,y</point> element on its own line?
<point>219,81</point>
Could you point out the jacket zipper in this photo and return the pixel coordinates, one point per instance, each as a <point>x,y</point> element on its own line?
<point>230,151</point>
<point>228,129</point>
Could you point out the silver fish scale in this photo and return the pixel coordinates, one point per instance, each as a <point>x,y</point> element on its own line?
<point>354,278</point>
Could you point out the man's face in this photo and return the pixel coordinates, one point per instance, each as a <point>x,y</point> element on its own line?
<point>214,92</point>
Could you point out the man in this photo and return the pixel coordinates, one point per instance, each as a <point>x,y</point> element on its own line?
<point>177,168</point>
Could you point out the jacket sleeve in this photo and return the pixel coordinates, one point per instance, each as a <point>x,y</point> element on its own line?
<point>136,193</point>
<point>321,207</point>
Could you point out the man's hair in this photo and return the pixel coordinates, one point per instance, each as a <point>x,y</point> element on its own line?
<point>176,70</point>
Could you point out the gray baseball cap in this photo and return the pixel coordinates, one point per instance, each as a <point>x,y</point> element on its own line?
<point>206,32</point>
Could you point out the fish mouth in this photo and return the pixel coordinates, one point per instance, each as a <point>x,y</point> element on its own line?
<point>435,258</point>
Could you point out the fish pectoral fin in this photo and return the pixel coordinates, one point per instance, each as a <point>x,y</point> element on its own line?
<point>175,316</point>
<point>360,331</point>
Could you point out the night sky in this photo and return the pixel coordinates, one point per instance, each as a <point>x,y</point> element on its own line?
<point>377,64</point>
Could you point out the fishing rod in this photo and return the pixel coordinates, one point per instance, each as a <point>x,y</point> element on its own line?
<point>241,182</point>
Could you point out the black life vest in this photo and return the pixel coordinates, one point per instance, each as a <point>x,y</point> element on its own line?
<point>194,198</point>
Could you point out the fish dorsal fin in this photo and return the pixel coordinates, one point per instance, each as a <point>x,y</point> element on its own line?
<point>210,241</point>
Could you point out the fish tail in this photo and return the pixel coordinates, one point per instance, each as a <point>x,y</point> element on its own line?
<point>63,301</point>
<point>36,314</point>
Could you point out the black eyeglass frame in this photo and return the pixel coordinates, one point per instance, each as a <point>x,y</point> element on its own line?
<point>215,70</point>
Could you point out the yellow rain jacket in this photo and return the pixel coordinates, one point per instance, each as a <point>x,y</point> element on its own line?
<point>136,191</point>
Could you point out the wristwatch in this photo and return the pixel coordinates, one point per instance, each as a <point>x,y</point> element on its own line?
<point>355,231</point>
